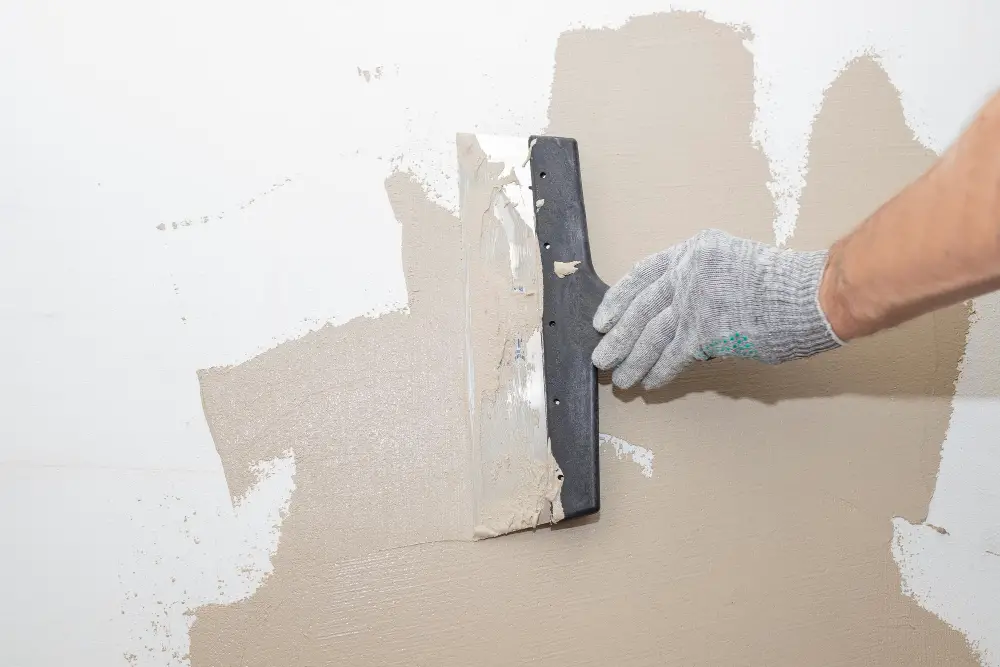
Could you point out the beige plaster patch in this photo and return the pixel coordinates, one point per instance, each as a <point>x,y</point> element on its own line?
<point>763,538</point>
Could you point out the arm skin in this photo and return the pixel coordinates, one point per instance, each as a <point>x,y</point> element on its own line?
<point>935,244</point>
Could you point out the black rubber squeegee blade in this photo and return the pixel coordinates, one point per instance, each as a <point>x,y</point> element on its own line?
<point>568,306</point>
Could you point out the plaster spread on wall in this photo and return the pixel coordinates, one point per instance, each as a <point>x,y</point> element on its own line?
<point>923,429</point>
<point>227,555</point>
<point>786,99</point>
<point>854,575</point>
<point>344,136</point>
<point>372,441</point>
<point>639,455</point>
<point>862,154</point>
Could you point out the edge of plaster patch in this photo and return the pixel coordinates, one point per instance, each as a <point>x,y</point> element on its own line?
<point>956,580</point>
<point>197,557</point>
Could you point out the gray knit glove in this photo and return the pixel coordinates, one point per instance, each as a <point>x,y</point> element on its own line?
<point>713,295</point>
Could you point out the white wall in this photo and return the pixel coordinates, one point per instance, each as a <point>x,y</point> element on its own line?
<point>257,118</point>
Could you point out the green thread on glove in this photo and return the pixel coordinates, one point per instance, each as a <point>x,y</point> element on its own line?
<point>713,295</point>
<point>735,345</point>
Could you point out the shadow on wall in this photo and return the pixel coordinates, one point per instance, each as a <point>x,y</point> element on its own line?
<point>917,360</point>
<point>665,154</point>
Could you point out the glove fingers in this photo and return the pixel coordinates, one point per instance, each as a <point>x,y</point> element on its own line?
<point>620,296</point>
<point>668,367</point>
<point>655,338</point>
<point>618,343</point>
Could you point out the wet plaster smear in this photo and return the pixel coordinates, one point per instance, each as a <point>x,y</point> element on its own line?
<point>764,536</point>
<point>515,482</point>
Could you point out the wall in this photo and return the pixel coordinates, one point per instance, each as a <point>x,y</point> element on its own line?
<point>189,187</point>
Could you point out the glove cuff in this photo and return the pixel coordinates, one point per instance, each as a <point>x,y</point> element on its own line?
<point>795,324</point>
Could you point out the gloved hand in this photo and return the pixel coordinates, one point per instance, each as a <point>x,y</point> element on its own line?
<point>713,295</point>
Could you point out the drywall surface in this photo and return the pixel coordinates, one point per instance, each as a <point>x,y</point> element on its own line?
<point>266,134</point>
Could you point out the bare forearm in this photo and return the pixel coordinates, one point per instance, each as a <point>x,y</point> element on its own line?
<point>934,244</point>
<point>714,295</point>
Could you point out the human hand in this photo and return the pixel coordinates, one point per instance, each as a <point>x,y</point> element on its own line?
<point>713,295</point>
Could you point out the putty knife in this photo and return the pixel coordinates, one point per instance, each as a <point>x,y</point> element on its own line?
<point>532,292</point>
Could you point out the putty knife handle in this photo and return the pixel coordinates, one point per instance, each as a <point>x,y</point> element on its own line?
<point>568,307</point>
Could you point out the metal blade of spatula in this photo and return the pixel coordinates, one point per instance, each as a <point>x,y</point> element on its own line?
<point>531,292</point>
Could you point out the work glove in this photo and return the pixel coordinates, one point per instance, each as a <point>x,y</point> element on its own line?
<point>713,295</point>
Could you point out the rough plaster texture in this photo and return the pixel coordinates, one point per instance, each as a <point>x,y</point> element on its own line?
<point>368,408</point>
<point>765,538</point>
<point>826,451</point>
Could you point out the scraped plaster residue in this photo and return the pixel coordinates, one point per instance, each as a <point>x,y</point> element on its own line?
<point>516,482</point>
<point>221,215</point>
<point>641,456</point>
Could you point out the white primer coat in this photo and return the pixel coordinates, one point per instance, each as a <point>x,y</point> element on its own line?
<point>639,455</point>
<point>953,578</point>
<point>158,599</point>
<point>957,575</point>
<point>132,115</point>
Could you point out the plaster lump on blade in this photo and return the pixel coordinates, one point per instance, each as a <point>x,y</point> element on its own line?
<point>564,269</point>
